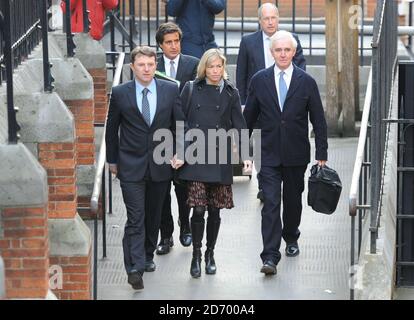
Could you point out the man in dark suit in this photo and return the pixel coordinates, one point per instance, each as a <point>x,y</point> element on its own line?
<point>254,53</point>
<point>182,68</point>
<point>138,109</point>
<point>279,102</point>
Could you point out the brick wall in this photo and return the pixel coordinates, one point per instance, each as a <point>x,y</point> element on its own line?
<point>100,97</point>
<point>77,275</point>
<point>59,161</point>
<point>83,112</point>
<point>25,250</point>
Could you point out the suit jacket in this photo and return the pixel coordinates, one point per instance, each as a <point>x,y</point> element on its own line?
<point>187,68</point>
<point>284,135</point>
<point>133,149</point>
<point>251,59</point>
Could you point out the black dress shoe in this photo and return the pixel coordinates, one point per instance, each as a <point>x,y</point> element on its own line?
<point>150,266</point>
<point>268,268</point>
<point>260,195</point>
<point>185,237</point>
<point>135,280</point>
<point>292,249</point>
<point>164,246</point>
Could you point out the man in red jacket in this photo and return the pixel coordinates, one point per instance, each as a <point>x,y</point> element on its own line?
<point>96,15</point>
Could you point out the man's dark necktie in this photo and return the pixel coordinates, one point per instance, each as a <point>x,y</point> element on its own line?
<point>146,107</point>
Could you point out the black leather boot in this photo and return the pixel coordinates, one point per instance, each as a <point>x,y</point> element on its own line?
<point>197,228</point>
<point>213,227</point>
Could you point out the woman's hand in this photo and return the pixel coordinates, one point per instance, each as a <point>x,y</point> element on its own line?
<point>176,163</point>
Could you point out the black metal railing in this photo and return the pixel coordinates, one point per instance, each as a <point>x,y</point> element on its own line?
<point>67,25</point>
<point>368,175</point>
<point>139,24</point>
<point>23,25</point>
<point>23,29</point>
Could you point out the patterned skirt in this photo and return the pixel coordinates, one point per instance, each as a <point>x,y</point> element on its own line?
<point>202,194</point>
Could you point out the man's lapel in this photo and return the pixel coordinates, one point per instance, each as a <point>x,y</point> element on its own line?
<point>132,96</point>
<point>294,83</point>
<point>181,66</point>
<point>160,97</point>
<point>271,85</point>
<point>260,53</point>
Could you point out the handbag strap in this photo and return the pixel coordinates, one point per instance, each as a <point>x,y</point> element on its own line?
<point>190,94</point>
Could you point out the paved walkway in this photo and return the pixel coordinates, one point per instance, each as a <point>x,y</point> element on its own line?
<point>319,272</point>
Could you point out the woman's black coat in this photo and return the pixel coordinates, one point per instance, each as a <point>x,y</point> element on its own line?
<point>210,109</point>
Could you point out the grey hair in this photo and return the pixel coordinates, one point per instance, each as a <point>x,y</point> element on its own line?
<point>267,4</point>
<point>282,34</point>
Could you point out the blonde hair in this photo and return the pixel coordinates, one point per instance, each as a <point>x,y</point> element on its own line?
<point>207,58</point>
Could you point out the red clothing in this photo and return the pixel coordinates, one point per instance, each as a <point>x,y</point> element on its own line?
<point>96,15</point>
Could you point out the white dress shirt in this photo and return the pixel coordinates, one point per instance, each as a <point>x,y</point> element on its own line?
<point>266,49</point>
<point>287,77</point>
<point>167,64</point>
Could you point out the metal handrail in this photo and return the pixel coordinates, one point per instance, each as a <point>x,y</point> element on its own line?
<point>377,32</point>
<point>356,176</point>
<point>99,183</point>
<point>353,192</point>
<point>2,280</point>
<point>102,151</point>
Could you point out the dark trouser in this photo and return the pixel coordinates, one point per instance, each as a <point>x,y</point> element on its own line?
<point>293,185</point>
<point>143,221</point>
<point>167,222</point>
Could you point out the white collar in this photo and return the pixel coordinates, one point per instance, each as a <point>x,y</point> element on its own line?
<point>167,60</point>
<point>265,36</point>
<point>288,71</point>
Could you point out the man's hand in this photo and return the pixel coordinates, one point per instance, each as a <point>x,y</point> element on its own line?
<point>247,166</point>
<point>113,168</point>
<point>321,163</point>
<point>176,163</point>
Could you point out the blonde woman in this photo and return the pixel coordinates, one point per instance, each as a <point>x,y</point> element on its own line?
<point>210,103</point>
